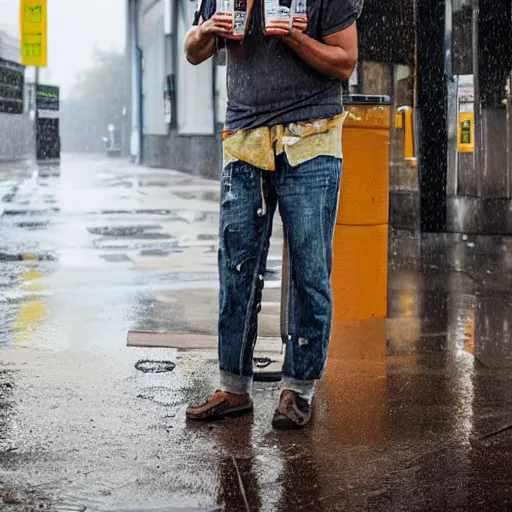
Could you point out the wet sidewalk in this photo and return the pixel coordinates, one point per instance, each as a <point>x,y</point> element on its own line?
<point>414,413</point>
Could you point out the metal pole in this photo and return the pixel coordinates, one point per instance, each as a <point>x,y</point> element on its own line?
<point>509,136</point>
<point>36,113</point>
<point>135,141</point>
<point>452,91</point>
<point>394,158</point>
<point>285,289</point>
<point>477,155</point>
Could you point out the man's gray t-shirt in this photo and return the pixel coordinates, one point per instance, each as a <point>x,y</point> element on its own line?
<point>269,84</point>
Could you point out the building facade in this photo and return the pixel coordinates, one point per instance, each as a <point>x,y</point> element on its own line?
<point>16,128</point>
<point>447,64</point>
<point>174,122</point>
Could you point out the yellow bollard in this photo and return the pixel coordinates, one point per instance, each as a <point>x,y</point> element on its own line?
<point>360,252</point>
<point>364,198</point>
<point>359,273</point>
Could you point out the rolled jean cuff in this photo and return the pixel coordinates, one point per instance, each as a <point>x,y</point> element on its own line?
<point>305,388</point>
<point>236,384</point>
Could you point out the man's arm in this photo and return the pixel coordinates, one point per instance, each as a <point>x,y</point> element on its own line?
<point>201,41</point>
<point>336,57</point>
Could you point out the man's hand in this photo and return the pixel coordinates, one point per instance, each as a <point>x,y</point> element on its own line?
<point>300,23</point>
<point>218,25</point>
<point>336,57</point>
<point>200,41</point>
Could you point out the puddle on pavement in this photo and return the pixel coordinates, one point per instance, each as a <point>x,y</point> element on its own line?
<point>26,256</point>
<point>115,258</point>
<point>23,303</point>
<point>153,236</point>
<point>51,171</point>
<point>157,184</point>
<point>9,196</point>
<point>170,215</point>
<point>135,244</point>
<point>206,217</point>
<point>32,224</point>
<point>112,183</point>
<point>186,195</point>
<point>156,252</point>
<point>29,212</point>
<point>126,231</point>
<point>201,195</point>
<point>166,182</point>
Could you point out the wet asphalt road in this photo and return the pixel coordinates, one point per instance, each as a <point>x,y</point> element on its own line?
<point>413,414</point>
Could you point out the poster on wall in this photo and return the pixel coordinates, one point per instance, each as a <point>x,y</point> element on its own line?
<point>12,85</point>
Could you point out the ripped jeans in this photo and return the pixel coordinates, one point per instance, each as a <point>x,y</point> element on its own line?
<point>307,196</point>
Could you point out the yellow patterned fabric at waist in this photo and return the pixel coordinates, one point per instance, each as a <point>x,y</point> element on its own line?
<point>300,142</point>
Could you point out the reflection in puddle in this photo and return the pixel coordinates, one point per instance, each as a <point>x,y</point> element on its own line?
<point>31,312</point>
<point>354,402</point>
<point>493,337</point>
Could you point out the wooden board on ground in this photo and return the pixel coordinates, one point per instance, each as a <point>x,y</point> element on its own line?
<point>190,341</point>
<point>153,339</point>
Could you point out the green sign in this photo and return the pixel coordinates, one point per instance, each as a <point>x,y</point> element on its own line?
<point>47,97</point>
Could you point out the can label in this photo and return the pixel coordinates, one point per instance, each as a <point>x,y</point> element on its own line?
<point>278,16</point>
<point>301,10</point>
<point>234,12</point>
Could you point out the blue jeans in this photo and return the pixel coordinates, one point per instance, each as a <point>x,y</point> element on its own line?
<point>307,196</point>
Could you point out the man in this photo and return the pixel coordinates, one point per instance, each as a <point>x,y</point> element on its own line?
<point>282,147</point>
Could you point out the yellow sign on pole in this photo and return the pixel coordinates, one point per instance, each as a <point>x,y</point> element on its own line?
<point>33,24</point>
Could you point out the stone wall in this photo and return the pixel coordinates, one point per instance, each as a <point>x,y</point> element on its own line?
<point>17,137</point>
<point>195,154</point>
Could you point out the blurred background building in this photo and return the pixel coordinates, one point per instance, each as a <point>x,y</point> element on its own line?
<point>16,128</point>
<point>176,108</point>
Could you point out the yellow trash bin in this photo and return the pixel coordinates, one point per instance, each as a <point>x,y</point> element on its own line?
<point>360,252</point>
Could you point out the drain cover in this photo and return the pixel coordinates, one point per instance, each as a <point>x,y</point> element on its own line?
<point>147,366</point>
